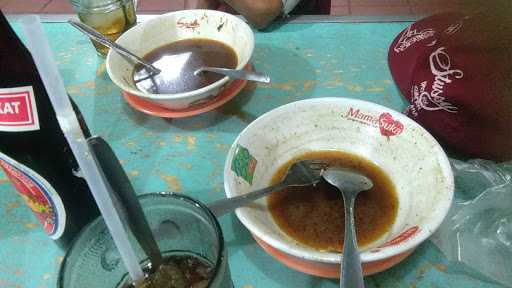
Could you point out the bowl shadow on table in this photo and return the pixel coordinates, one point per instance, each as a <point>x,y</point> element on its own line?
<point>201,121</point>
<point>410,272</point>
<point>106,95</point>
<point>287,86</point>
<point>426,259</point>
<point>266,264</point>
<point>233,108</point>
<point>293,75</point>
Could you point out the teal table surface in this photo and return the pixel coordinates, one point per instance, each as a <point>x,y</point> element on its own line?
<point>187,155</point>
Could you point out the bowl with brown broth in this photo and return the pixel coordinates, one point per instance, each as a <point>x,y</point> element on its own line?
<point>178,43</point>
<point>303,227</point>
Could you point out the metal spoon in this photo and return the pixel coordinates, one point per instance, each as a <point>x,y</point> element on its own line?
<point>95,35</point>
<point>124,192</point>
<point>302,173</point>
<point>236,74</point>
<point>349,183</point>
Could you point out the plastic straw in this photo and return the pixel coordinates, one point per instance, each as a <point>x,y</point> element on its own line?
<point>43,57</point>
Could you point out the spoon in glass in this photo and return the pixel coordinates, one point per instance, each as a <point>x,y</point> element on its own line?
<point>95,35</point>
<point>350,183</point>
<point>127,199</point>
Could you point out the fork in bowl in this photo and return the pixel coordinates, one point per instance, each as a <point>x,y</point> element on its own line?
<point>301,173</point>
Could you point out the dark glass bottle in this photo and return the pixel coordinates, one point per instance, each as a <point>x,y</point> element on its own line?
<point>34,153</point>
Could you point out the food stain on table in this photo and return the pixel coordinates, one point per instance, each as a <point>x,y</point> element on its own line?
<point>374,89</point>
<point>133,173</point>
<point>353,87</point>
<point>5,283</point>
<point>173,182</point>
<point>334,82</point>
<point>30,225</point>
<point>187,166</point>
<point>19,272</point>
<point>101,69</point>
<point>287,86</point>
<point>388,98</point>
<point>198,125</point>
<point>420,272</point>
<point>222,147</point>
<point>80,88</point>
<point>178,138</point>
<point>217,188</point>
<point>11,206</point>
<point>309,84</point>
<point>191,142</point>
<point>91,88</point>
<point>215,173</point>
<point>441,268</point>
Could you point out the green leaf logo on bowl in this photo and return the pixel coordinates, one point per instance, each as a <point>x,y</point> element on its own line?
<point>244,164</point>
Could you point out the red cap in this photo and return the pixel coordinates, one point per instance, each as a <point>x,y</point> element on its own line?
<point>454,71</point>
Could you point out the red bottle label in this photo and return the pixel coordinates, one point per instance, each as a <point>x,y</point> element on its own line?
<point>18,111</point>
<point>39,195</point>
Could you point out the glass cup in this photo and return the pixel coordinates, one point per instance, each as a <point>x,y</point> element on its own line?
<point>181,226</point>
<point>109,17</point>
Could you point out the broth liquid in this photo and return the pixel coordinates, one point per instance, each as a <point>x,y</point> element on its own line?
<point>179,60</point>
<point>314,215</point>
<point>178,271</point>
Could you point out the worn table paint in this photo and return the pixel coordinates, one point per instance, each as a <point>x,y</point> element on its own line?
<point>187,155</point>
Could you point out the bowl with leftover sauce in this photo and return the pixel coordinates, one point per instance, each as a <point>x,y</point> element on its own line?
<point>178,43</point>
<point>303,227</point>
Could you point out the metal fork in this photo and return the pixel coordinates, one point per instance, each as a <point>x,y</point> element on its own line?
<point>302,173</point>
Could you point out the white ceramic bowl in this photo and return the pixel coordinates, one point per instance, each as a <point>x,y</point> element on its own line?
<point>412,158</point>
<point>171,27</point>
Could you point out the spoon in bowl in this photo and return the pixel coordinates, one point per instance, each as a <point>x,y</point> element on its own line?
<point>302,173</point>
<point>236,74</point>
<point>350,183</point>
<point>232,73</point>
